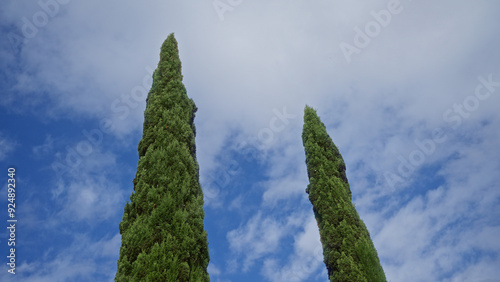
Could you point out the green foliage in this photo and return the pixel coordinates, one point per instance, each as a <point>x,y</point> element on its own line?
<point>348,251</point>
<point>163,237</point>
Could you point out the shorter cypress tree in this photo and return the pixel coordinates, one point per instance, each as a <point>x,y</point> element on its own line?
<point>348,251</point>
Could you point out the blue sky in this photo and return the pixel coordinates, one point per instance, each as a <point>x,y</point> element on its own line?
<point>408,90</point>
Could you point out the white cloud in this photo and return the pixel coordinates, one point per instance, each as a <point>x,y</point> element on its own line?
<point>6,147</point>
<point>289,187</point>
<point>44,149</point>
<point>286,174</point>
<point>306,259</point>
<point>92,199</point>
<point>438,231</point>
<point>76,262</point>
<point>86,191</point>
<point>260,236</point>
<point>213,270</point>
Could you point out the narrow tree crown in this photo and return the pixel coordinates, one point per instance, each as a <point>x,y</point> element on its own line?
<point>163,238</point>
<point>348,251</point>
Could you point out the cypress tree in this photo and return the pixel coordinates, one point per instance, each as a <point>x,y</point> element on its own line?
<point>163,237</point>
<point>348,251</point>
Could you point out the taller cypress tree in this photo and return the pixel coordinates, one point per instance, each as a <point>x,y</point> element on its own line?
<point>348,251</point>
<point>163,238</point>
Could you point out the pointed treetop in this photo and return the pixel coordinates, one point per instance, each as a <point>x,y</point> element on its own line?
<point>170,64</point>
<point>314,132</point>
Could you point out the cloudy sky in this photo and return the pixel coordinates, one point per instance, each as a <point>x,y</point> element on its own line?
<point>409,92</point>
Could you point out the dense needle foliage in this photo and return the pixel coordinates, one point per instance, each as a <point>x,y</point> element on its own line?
<point>163,237</point>
<point>348,251</point>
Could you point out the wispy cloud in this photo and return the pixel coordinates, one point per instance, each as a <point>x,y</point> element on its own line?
<point>6,146</point>
<point>450,227</point>
<point>89,192</point>
<point>83,260</point>
<point>260,236</point>
<point>306,259</point>
<point>44,149</point>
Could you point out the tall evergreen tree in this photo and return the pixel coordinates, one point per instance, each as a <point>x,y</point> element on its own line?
<point>163,237</point>
<point>348,251</point>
